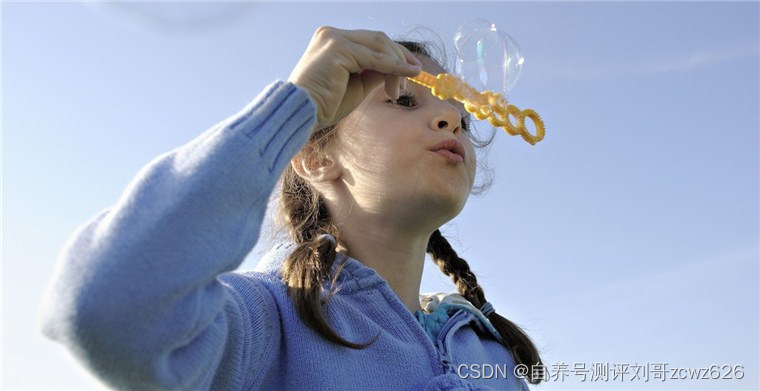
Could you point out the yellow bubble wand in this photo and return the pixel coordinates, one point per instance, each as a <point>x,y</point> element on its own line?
<point>483,105</point>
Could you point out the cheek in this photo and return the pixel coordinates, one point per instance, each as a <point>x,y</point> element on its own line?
<point>377,150</point>
<point>472,161</point>
<point>387,139</point>
<point>472,157</point>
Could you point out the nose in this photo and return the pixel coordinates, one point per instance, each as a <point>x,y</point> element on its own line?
<point>447,118</point>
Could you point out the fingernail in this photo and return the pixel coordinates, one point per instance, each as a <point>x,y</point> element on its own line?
<point>403,83</point>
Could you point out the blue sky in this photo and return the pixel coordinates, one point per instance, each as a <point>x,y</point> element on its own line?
<point>629,234</point>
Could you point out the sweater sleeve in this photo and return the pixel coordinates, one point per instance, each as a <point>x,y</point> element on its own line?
<point>135,294</point>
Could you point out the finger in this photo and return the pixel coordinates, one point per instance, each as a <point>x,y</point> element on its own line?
<point>359,86</point>
<point>397,49</point>
<point>363,57</point>
<point>409,56</point>
<point>410,59</point>
<point>392,85</point>
<point>369,80</point>
<point>379,41</point>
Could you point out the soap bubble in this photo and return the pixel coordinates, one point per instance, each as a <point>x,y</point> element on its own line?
<point>487,58</point>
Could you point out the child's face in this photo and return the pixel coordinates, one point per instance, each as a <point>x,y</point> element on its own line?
<point>384,151</point>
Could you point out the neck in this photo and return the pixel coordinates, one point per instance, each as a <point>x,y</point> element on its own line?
<point>396,252</point>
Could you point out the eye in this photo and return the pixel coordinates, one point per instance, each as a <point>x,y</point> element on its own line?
<point>465,122</point>
<point>405,99</point>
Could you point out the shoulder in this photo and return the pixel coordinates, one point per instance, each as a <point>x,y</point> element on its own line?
<point>266,274</point>
<point>253,284</point>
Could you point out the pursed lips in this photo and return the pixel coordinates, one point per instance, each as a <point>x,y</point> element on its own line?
<point>451,145</point>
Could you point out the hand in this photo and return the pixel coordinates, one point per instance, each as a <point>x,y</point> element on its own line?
<point>341,67</point>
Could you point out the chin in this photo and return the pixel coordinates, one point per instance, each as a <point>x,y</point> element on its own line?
<point>440,196</point>
<point>450,207</point>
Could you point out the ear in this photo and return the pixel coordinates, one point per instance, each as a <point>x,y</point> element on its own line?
<point>314,165</point>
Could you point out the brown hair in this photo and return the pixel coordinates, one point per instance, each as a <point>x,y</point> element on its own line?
<point>308,267</point>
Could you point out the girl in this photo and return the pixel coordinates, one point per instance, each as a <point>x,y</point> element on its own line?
<point>370,166</point>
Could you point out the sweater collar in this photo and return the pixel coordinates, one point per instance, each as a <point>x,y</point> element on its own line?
<point>355,276</point>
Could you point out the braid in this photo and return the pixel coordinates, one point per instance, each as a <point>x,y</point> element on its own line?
<point>309,265</point>
<point>456,268</point>
<point>512,336</point>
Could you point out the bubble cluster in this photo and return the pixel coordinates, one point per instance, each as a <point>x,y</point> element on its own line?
<point>487,67</point>
<point>487,58</point>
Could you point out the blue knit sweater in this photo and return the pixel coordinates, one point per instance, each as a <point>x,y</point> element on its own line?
<point>145,294</point>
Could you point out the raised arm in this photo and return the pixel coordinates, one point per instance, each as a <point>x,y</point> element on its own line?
<point>135,295</point>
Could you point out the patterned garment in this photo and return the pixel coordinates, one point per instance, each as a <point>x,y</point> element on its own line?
<point>437,308</point>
